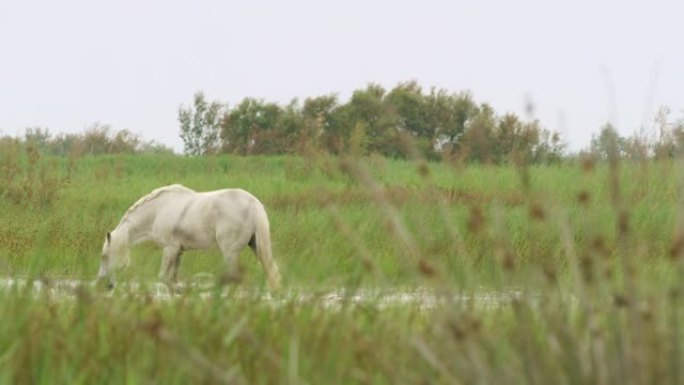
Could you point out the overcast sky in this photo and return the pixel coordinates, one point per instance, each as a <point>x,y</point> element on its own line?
<point>67,64</point>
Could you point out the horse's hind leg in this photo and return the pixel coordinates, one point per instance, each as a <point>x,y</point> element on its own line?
<point>231,250</point>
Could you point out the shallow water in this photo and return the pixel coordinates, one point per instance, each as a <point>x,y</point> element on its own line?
<point>66,288</point>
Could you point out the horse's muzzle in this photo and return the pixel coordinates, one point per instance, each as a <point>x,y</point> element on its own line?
<point>104,283</point>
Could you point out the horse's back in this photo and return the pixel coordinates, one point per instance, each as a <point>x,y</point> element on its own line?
<point>186,202</point>
<point>235,194</point>
<point>233,203</point>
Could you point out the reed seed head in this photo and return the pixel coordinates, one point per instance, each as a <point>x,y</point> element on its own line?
<point>426,268</point>
<point>476,220</point>
<point>620,300</point>
<point>588,163</point>
<point>583,197</point>
<point>537,212</point>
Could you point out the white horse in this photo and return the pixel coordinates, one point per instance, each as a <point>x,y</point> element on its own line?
<point>177,218</point>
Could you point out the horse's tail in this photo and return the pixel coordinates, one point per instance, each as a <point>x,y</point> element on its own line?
<point>263,246</point>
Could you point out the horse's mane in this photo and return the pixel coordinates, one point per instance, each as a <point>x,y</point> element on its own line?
<point>153,195</point>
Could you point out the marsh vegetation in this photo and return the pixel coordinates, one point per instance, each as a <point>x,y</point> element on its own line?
<point>593,249</point>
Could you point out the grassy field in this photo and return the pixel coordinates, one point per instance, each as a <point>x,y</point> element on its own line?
<point>593,250</point>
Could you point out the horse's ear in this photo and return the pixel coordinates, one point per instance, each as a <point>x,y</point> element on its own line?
<point>109,237</point>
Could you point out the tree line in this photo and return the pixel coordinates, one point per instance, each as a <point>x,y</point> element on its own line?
<point>401,122</point>
<point>98,139</point>
<point>663,139</point>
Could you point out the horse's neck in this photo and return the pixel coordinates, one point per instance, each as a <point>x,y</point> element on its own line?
<point>139,222</point>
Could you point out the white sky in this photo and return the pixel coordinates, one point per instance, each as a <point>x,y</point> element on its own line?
<point>67,64</point>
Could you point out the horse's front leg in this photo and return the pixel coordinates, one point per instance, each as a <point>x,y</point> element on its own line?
<point>168,272</point>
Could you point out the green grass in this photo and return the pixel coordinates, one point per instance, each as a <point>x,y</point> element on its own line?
<point>309,199</point>
<point>598,265</point>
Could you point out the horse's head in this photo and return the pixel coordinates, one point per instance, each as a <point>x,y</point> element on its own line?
<point>114,255</point>
<point>103,275</point>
